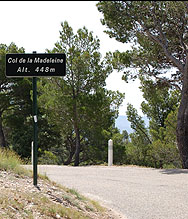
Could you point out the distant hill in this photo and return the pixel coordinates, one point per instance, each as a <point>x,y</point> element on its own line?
<point>123,124</point>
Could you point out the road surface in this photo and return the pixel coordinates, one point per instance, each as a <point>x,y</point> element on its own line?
<point>134,192</point>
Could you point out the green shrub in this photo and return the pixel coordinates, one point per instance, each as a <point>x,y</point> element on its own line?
<point>48,158</point>
<point>164,155</point>
<point>137,154</point>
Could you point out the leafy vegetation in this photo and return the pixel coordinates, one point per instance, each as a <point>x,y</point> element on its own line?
<point>79,105</point>
<point>76,113</point>
<point>157,31</point>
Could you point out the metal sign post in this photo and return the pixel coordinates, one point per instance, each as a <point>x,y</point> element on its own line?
<point>35,136</point>
<point>35,65</point>
<point>35,131</point>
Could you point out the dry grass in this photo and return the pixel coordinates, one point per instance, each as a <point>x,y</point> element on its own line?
<point>21,200</point>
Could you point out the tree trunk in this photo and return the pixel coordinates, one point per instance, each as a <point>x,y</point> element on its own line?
<point>182,124</point>
<point>2,136</point>
<point>71,143</point>
<point>68,161</point>
<point>77,152</point>
<point>77,132</point>
<point>71,154</point>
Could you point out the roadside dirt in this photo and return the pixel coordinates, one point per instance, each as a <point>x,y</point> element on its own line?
<point>19,199</point>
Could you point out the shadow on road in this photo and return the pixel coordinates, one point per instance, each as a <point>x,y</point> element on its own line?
<point>174,171</point>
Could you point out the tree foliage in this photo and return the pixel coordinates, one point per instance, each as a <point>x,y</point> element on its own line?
<point>156,145</point>
<point>79,104</point>
<point>158,31</point>
<point>159,102</point>
<point>77,113</point>
<point>12,97</point>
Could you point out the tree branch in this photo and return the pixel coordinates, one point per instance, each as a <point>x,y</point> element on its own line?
<point>176,62</point>
<point>186,65</point>
<point>169,82</point>
<point>159,28</point>
<point>186,5</point>
<point>139,128</point>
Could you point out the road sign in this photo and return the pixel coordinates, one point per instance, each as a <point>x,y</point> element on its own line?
<point>35,65</point>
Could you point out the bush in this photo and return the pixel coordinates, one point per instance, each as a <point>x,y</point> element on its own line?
<point>164,155</point>
<point>48,158</point>
<point>137,154</point>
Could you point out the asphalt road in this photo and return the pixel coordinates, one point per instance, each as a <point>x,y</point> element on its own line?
<point>134,192</point>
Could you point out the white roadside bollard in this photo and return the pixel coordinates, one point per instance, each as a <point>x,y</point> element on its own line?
<point>32,152</point>
<point>110,152</point>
